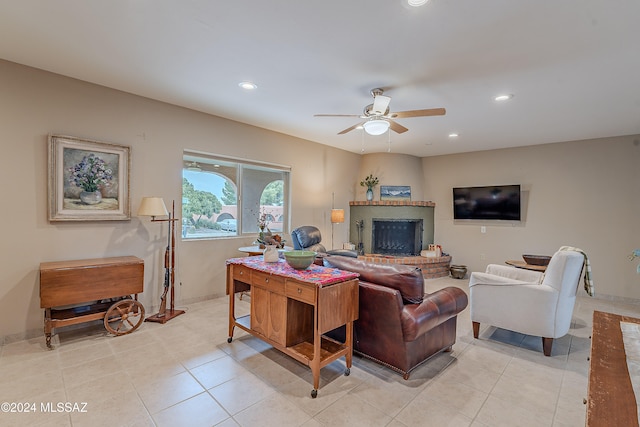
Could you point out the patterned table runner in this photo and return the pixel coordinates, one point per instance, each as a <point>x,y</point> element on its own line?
<point>315,274</point>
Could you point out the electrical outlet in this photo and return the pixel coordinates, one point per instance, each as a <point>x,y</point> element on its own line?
<point>483,229</point>
<point>483,257</point>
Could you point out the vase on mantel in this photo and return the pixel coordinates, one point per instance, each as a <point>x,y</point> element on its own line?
<point>369,194</point>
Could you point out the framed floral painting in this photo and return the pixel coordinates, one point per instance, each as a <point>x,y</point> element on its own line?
<point>88,180</point>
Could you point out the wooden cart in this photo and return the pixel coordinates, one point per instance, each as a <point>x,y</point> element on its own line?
<point>79,291</point>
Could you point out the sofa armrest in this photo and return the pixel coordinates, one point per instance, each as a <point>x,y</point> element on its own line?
<point>438,307</point>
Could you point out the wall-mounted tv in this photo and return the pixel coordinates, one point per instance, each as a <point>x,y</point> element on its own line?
<point>498,202</point>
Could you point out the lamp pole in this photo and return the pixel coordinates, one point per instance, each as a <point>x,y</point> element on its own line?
<point>164,314</point>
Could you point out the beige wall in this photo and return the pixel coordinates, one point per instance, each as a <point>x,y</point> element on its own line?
<point>580,193</point>
<point>35,103</point>
<point>391,169</point>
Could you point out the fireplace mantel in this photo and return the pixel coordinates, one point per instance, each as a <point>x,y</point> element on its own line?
<point>392,203</point>
<point>365,212</point>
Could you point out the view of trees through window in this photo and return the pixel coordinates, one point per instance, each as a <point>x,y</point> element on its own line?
<point>211,206</point>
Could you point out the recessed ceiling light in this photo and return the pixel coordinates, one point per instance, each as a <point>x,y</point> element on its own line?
<point>503,97</point>
<point>247,85</point>
<point>416,3</point>
<point>453,135</point>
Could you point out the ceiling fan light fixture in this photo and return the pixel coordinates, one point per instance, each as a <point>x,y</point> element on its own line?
<point>248,85</point>
<point>505,97</point>
<point>416,3</point>
<point>376,126</point>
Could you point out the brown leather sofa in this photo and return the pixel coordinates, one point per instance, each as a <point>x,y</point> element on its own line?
<point>399,326</point>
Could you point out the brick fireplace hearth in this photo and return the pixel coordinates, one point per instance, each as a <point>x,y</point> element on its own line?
<point>432,268</point>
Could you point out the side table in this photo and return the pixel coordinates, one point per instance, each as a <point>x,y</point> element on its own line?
<point>292,309</point>
<point>524,265</point>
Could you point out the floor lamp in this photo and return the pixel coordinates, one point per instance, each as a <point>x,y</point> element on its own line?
<point>154,207</point>
<point>337,217</point>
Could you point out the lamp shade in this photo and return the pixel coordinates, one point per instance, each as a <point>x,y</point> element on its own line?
<point>152,206</point>
<point>337,216</point>
<point>376,126</point>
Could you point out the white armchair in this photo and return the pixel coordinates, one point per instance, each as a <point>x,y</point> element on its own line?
<point>529,302</point>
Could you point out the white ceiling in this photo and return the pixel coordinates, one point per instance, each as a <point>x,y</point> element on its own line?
<point>573,65</point>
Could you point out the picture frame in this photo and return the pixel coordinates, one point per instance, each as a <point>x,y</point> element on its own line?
<point>395,192</point>
<point>88,180</point>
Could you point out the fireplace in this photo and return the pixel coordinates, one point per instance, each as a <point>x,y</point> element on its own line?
<point>396,236</point>
<point>418,216</point>
<point>378,226</point>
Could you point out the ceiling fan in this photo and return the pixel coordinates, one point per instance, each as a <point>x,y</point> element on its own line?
<point>378,119</point>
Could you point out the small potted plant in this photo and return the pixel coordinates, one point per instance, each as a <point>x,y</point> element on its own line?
<point>369,182</point>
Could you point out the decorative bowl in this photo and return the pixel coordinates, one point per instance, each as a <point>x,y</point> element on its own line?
<point>458,271</point>
<point>299,260</point>
<point>536,259</point>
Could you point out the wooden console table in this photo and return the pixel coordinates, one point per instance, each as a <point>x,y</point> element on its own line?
<point>88,281</point>
<point>291,309</point>
<point>610,401</point>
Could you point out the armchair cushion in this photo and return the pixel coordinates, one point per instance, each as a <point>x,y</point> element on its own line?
<point>408,280</point>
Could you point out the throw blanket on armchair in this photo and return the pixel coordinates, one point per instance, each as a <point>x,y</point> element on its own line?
<point>588,282</point>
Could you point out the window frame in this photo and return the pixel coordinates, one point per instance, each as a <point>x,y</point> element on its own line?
<point>245,223</point>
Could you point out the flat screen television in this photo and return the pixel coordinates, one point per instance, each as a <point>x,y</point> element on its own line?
<point>498,202</point>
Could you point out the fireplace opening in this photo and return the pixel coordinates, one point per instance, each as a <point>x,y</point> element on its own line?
<point>396,237</point>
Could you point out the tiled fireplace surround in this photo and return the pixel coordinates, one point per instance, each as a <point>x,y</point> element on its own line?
<point>366,211</point>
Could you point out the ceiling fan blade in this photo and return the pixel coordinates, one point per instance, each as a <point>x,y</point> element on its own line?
<point>349,129</point>
<point>380,104</point>
<point>397,127</point>
<point>336,115</point>
<point>419,113</point>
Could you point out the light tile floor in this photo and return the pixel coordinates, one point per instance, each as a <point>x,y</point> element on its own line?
<point>184,373</point>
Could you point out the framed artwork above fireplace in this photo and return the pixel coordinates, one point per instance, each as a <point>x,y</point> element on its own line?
<point>395,192</point>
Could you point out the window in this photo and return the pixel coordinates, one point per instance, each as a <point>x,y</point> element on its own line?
<point>225,197</point>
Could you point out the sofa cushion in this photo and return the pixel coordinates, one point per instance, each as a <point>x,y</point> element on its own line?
<point>407,280</point>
